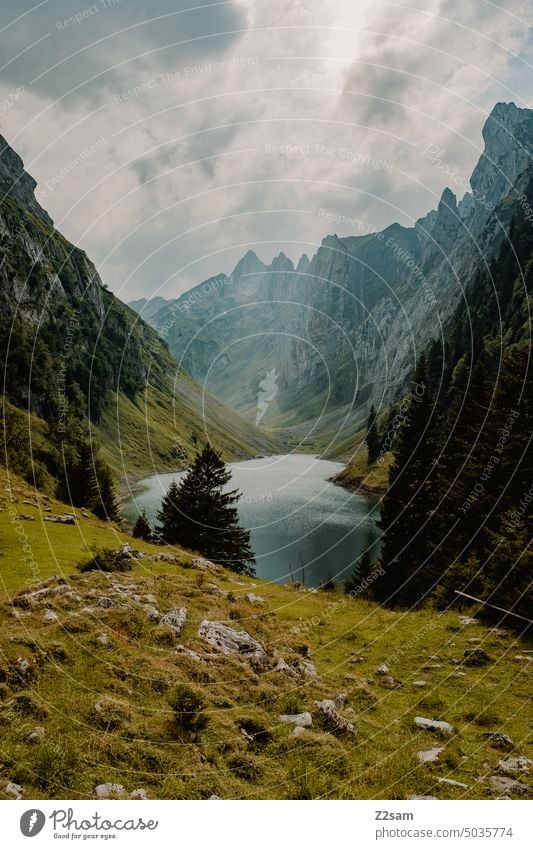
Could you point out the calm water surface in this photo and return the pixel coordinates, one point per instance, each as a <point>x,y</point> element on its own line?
<point>301,525</point>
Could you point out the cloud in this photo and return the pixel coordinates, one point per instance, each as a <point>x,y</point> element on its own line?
<point>181,172</point>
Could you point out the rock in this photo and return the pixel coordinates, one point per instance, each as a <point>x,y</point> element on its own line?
<point>476,657</point>
<point>468,620</point>
<point>382,669</point>
<point>228,641</point>
<point>149,599</point>
<point>429,756</point>
<point>333,720</point>
<point>35,736</point>
<point>340,700</point>
<point>303,720</point>
<point>297,731</point>
<point>474,640</point>
<point>23,517</point>
<point>503,785</point>
<point>152,612</point>
<point>389,683</point>
<point>214,589</point>
<point>435,725</point>
<point>499,740</point>
<point>23,666</point>
<point>103,640</point>
<point>105,791</point>
<point>522,657</point>
<point>206,565</point>
<point>419,683</point>
<point>432,666</point>
<point>214,798</point>
<point>139,794</point>
<point>66,519</point>
<point>513,766</point>
<point>167,558</point>
<point>50,617</point>
<point>459,674</point>
<point>190,653</point>
<point>452,783</point>
<point>14,790</point>
<point>254,599</point>
<point>175,619</point>
<point>422,798</point>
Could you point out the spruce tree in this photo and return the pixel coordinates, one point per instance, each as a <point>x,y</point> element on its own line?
<point>142,529</point>
<point>105,505</point>
<point>372,437</point>
<point>360,574</point>
<point>200,515</point>
<point>409,501</point>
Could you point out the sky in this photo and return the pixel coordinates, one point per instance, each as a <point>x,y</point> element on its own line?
<point>169,137</point>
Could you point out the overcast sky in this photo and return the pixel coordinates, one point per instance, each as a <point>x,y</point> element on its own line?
<point>152,127</point>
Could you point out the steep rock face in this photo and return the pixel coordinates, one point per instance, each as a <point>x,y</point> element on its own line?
<point>344,327</point>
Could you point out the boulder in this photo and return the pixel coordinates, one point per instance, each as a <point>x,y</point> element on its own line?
<point>435,725</point>
<point>139,794</point>
<point>105,791</point>
<point>175,619</point>
<point>476,657</point>
<point>429,756</point>
<point>152,612</point>
<point>65,519</point>
<point>503,785</point>
<point>254,599</point>
<point>303,720</point>
<point>514,766</point>
<point>499,740</point>
<point>35,736</point>
<point>50,617</point>
<point>333,720</point>
<point>14,790</point>
<point>227,641</point>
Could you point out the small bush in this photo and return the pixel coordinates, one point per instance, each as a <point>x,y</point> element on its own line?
<point>245,766</point>
<point>109,716</point>
<point>56,767</point>
<point>107,560</point>
<point>188,707</point>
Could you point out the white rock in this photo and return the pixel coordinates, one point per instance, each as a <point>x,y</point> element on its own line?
<point>423,798</point>
<point>419,683</point>
<point>152,612</point>
<point>103,640</point>
<point>254,599</point>
<point>429,756</point>
<point>382,669</point>
<point>175,618</point>
<point>468,620</point>
<point>297,731</point>
<point>139,794</point>
<point>35,736</point>
<point>228,641</point>
<point>512,766</point>
<point>104,791</point>
<point>503,785</point>
<point>336,723</point>
<point>14,790</point>
<point>50,617</point>
<point>214,798</point>
<point>452,783</point>
<point>304,720</point>
<point>433,725</point>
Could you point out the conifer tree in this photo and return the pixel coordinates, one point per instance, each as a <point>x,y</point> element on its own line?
<point>360,574</point>
<point>409,501</point>
<point>200,515</point>
<point>372,436</point>
<point>142,529</point>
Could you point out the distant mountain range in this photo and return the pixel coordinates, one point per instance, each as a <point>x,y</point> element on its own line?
<point>341,330</point>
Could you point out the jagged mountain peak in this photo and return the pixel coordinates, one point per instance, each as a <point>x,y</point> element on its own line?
<point>249,264</point>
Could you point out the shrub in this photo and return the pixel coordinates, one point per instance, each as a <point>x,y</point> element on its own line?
<point>188,705</point>
<point>107,560</point>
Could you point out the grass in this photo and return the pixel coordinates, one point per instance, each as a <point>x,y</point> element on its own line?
<point>359,475</point>
<point>239,749</point>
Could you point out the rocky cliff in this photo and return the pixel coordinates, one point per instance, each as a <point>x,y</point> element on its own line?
<point>343,329</point>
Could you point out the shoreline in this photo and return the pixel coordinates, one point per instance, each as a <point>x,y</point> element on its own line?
<point>358,486</point>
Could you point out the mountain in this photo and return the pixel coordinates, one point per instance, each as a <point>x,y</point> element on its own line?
<point>79,366</point>
<point>148,307</point>
<point>341,330</point>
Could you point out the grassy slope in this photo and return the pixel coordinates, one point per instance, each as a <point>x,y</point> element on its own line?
<point>347,639</point>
